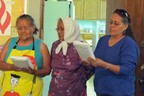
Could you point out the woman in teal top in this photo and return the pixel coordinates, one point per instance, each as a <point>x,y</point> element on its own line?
<point>37,43</point>
<point>24,81</point>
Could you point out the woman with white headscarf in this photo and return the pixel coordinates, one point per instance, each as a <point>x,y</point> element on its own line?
<point>69,76</point>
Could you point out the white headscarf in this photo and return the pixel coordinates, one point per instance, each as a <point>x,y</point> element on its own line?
<point>71,34</point>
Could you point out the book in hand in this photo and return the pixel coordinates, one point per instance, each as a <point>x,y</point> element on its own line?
<point>22,61</point>
<point>84,50</point>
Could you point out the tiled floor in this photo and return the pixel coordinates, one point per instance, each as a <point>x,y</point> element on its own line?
<point>90,88</point>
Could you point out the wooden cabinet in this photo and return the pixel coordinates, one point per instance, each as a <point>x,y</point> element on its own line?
<point>101,34</point>
<point>86,36</point>
<point>90,9</point>
<point>102,9</point>
<point>79,9</point>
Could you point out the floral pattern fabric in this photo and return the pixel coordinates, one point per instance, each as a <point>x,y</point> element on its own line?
<point>69,76</point>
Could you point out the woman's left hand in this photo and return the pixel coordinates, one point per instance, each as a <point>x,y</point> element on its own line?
<point>85,62</point>
<point>28,70</point>
<point>95,61</point>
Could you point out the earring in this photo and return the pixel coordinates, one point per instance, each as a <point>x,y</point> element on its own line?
<point>124,32</point>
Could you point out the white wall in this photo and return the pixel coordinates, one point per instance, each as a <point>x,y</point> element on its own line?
<point>33,9</point>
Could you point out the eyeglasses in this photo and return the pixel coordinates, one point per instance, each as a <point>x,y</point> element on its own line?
<point>59,29</point>
<point>23,28</point>
<point>114,23</point>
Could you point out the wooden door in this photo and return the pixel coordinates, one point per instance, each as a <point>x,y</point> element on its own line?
<point>136,10</point>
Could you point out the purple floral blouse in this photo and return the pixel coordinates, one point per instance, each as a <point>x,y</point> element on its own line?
<point>69,76</point>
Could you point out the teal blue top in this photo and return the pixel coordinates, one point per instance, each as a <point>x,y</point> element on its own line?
<point>38,54</point>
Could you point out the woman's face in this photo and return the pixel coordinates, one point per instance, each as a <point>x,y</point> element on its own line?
<point>60,30</point>
<point>25,30</point>
<point>116,26</point>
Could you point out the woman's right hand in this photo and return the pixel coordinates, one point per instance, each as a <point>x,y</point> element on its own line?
<point>15,68</point>
<point>94,61</point>
<point>85,62</point>
<point>27,70</point>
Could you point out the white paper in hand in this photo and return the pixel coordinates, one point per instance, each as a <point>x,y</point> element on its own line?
<point>22,61</point>
<point>84,50</point>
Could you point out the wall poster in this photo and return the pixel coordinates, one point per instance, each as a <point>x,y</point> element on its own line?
<point>9,11</point>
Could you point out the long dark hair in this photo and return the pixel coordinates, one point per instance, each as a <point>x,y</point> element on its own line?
<point>30,19</point>
<point>126,20</point>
